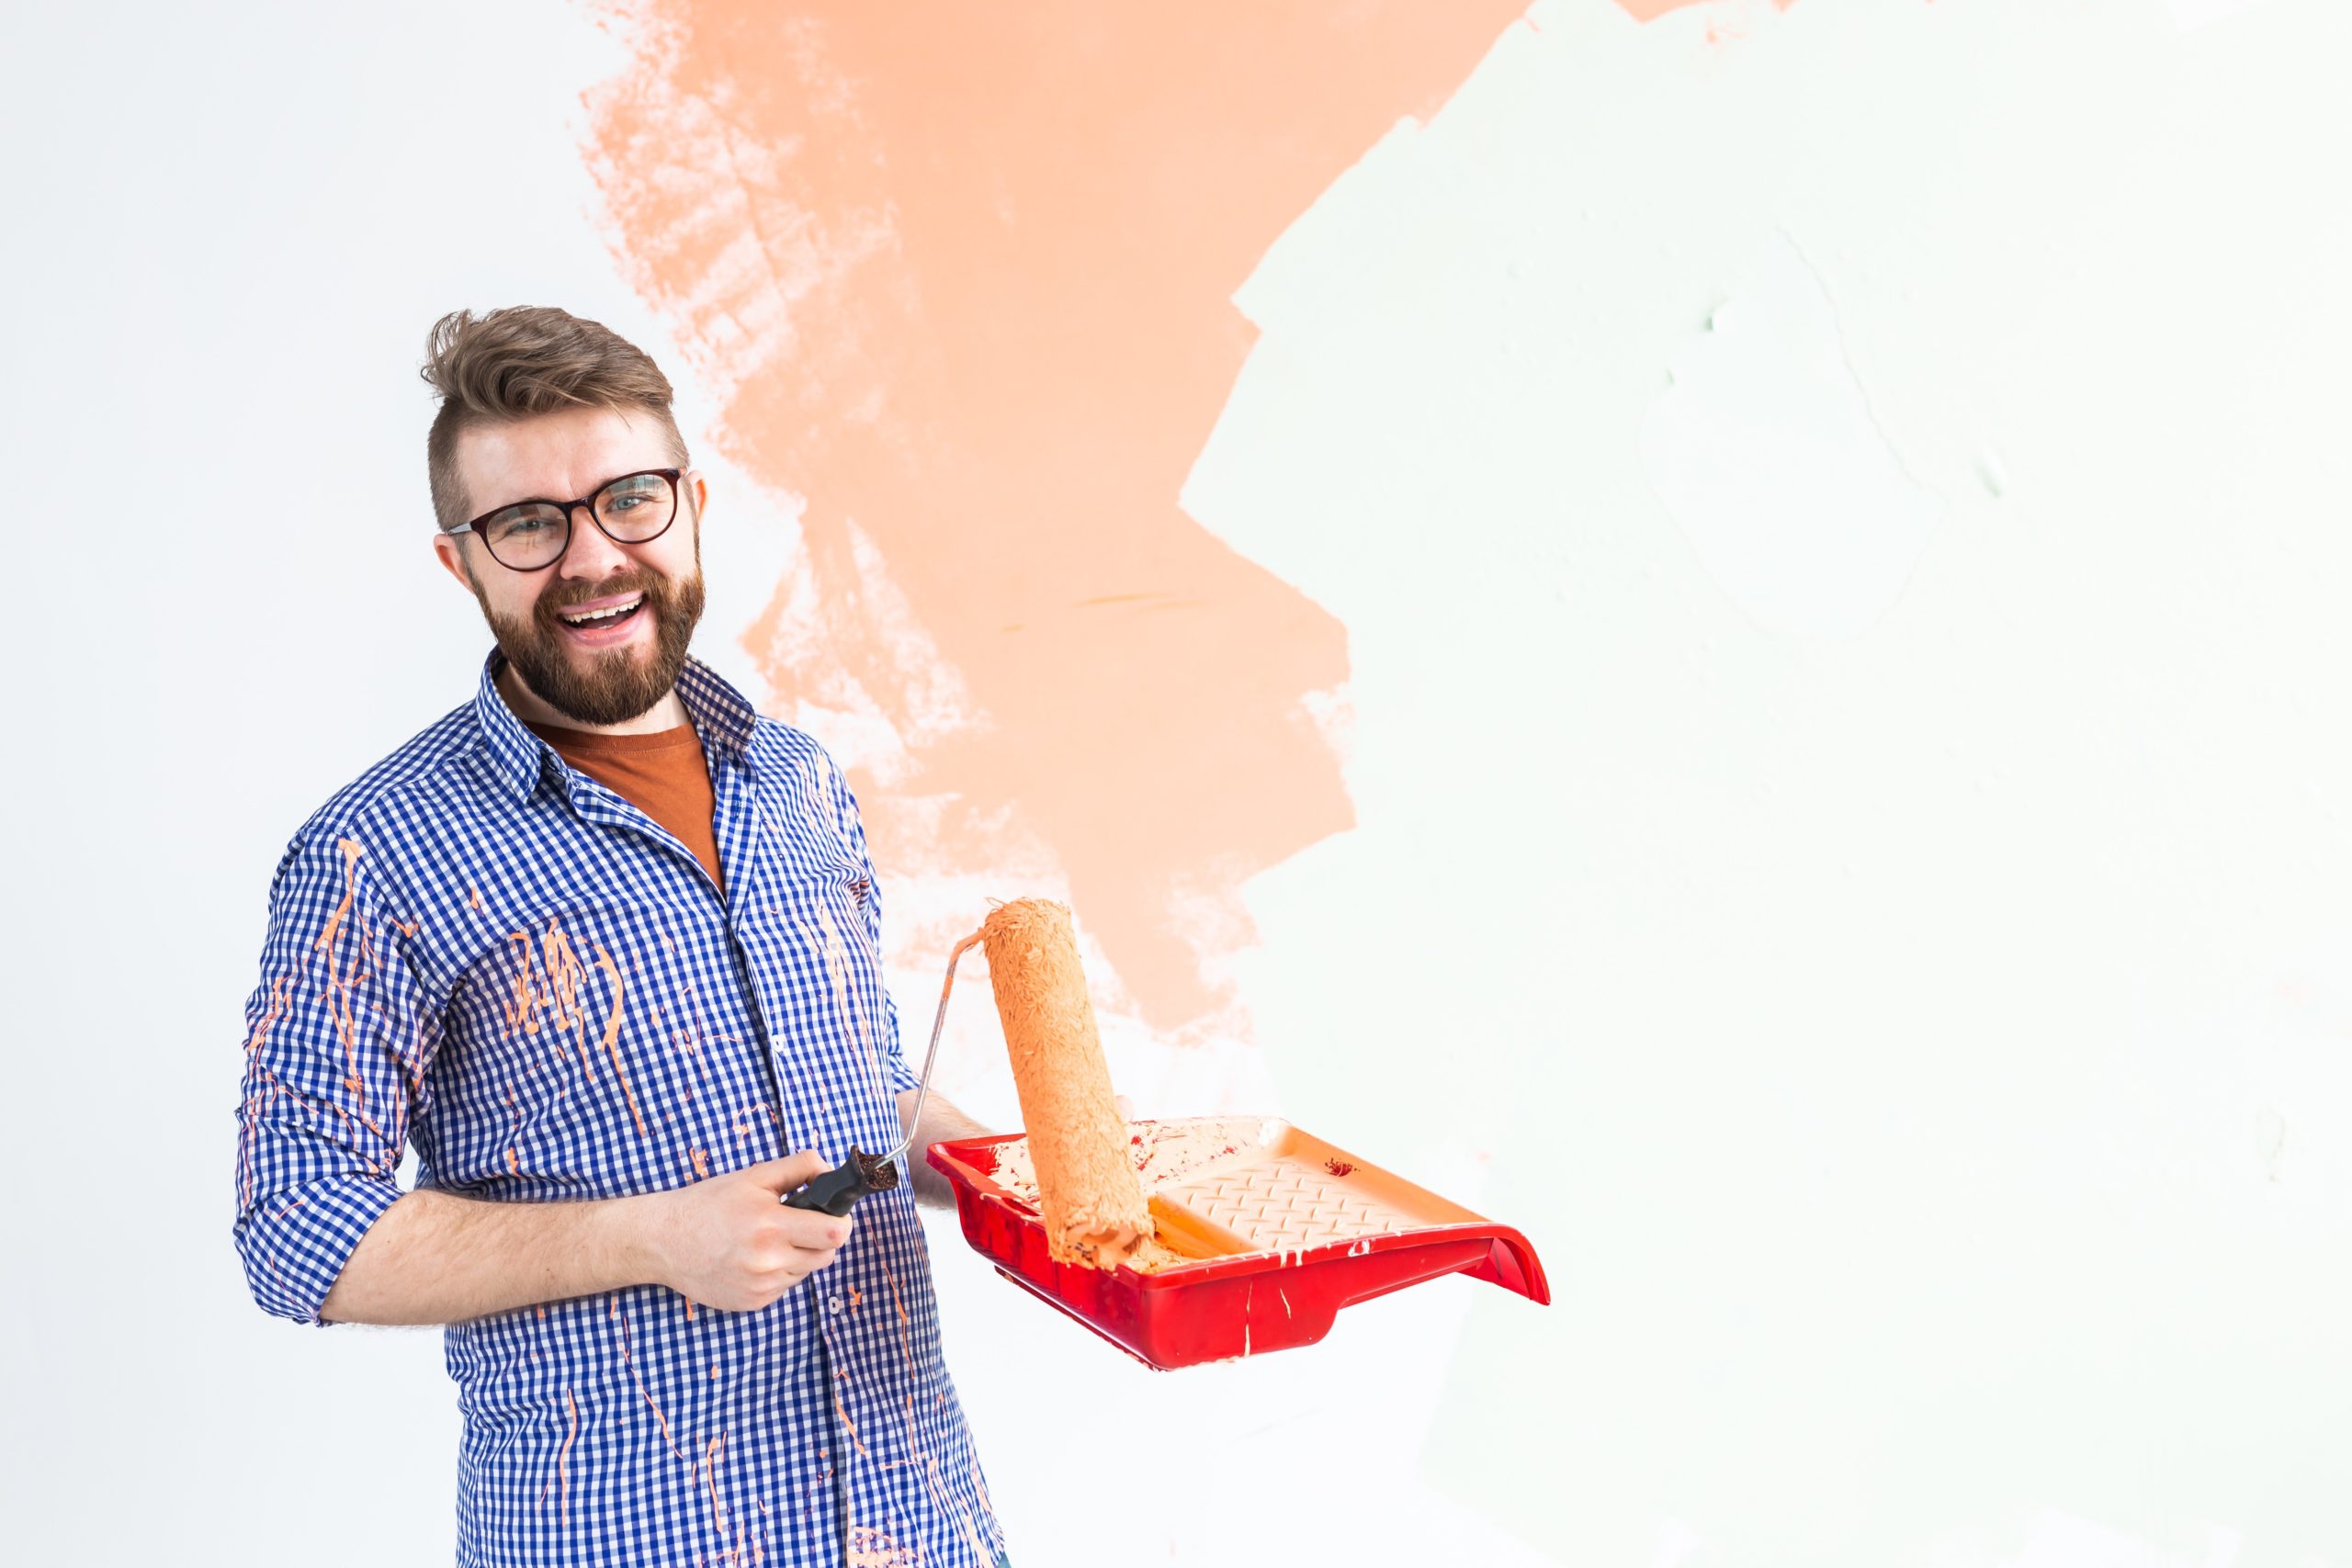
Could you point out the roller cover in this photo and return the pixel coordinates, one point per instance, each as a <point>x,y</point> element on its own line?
<point>1093,1205</point>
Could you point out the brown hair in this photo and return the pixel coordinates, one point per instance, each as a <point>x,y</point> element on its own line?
<point>523,360</point>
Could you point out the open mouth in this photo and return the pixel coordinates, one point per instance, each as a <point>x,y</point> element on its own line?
<point>604,620</point>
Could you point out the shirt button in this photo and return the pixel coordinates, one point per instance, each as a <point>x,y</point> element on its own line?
<point>833,1304</point>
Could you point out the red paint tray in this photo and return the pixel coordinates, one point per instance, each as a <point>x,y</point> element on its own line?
<point>1265,1232</point>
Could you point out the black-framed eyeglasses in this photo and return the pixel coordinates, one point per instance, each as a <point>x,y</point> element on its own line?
<point>531,536</point>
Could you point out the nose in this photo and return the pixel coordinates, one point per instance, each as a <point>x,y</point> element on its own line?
<point>590,554</point>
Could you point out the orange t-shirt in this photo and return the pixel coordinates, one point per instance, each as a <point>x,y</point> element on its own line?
<point>662,774</point>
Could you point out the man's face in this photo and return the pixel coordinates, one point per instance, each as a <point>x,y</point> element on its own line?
<point>608,671</point>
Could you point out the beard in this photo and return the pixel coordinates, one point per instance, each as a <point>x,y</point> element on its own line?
<point>613,685</point>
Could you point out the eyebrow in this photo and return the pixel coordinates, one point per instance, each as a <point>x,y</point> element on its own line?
<point>558,500</point>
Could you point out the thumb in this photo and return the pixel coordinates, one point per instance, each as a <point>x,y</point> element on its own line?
<point>782,1176</point>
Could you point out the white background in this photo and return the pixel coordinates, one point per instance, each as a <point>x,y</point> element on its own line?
<point>1840,520</point>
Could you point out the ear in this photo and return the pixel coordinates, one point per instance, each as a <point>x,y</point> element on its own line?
<point>445,547</point>
<point>697,491</point>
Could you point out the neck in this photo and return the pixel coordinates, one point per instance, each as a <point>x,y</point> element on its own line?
<point>528,706</point>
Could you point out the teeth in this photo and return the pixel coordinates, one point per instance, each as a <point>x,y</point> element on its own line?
<point>602,614</point>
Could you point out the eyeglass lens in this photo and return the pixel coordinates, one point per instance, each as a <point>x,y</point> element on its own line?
<point>633,509</point>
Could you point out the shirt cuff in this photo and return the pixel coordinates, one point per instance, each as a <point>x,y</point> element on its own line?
<point>902,1078</point>
<point>295,1242</point>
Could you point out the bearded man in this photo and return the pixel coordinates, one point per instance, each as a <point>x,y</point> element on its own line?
<point>602,945</point>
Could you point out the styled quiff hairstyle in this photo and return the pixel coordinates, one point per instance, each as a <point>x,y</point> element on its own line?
<point>523,360</point>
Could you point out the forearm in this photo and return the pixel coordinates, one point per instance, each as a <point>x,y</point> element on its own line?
<point>433,1258</point>
<point>940,1123</point>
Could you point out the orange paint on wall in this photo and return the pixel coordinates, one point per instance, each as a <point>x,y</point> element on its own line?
<point>1651,10</point>
<point>966,271</point>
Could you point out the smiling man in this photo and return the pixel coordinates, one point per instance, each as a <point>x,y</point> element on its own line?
<point>602,945</point>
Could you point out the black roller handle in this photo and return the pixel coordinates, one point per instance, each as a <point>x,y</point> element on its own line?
<point>836,1191</point>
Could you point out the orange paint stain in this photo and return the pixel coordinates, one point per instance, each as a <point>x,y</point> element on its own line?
<point>257,1101</point>
<point>852,1020</point>
<point>928,1465</point>
<point>990,253</point>
<point>660,1419</point>
<point>525,998</point>
<point>335,992</point>
<point>847,1420</point>
<point>564,1455</point>
<point>701,1161</point>
<point>613,1033</point>
<point>873,1547</point>
<point>690,1038</point>
<point>563,1475</point>
<point>711,1458</point>
<point>932,1481</point>
<point>1651,10</point>
<point>412,1061</point>
<point>279,1002</point>
<point>563,995</point>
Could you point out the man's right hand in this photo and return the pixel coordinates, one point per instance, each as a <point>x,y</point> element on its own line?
<point>729,1242</point>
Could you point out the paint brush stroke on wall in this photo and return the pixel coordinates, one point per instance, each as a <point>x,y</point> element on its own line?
<point>1651,10</point>
<point>962,275</point>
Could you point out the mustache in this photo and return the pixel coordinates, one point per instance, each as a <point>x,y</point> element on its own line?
<point>555,601</point>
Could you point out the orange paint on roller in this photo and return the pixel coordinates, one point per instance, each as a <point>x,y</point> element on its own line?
<point>1093,1205</point>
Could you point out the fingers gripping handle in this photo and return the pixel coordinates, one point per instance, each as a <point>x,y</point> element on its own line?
<point>836,1191</point>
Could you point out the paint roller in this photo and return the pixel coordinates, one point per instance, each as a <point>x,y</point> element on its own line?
<point>1092,1205</point>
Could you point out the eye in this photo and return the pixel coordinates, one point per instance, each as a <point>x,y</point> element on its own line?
<point>522,524</point>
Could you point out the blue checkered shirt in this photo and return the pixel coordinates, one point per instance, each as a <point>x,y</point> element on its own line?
<point>480,953</point>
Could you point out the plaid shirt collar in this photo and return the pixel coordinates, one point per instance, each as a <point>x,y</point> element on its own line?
<point>721,716</point>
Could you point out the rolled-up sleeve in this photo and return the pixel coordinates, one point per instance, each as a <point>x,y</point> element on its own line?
<point>338,1042</point>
